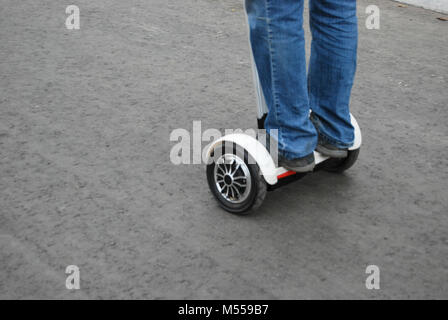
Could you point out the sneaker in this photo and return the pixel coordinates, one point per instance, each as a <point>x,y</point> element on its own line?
<point>304,164</point>
<point>323,146</point>
<point>330,150</point>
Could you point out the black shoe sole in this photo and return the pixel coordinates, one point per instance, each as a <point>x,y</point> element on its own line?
<point>307,168</point>
<point>331,152</point>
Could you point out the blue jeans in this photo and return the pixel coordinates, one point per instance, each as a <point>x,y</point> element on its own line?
<point>278,45</point>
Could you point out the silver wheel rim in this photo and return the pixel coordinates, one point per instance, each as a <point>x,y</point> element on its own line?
<point>232,178</point>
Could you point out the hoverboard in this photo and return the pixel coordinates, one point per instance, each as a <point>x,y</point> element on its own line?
<point>240,169</point>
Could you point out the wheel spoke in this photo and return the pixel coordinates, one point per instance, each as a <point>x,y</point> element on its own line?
<point>238,194</point>
<point>241,185</point>
<point>222,170</point>
<point>231,192</point>
<point>236,169</point>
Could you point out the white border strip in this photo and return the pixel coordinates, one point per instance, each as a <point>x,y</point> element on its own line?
<point>436,5</point>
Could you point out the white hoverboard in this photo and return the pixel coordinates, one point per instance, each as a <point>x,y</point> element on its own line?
<point>240,170</point>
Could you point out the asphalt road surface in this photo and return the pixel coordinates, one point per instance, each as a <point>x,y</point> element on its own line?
<point>86,178</point>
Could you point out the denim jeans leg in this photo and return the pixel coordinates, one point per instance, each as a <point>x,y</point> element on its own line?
<point>278,45</point>
<point>332,68</point>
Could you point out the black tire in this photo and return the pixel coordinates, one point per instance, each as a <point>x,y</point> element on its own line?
<point>340,165</point>
<point>255,197</point>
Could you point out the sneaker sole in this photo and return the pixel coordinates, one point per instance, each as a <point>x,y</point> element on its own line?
<point>307,168</point>
<point>332,153</point>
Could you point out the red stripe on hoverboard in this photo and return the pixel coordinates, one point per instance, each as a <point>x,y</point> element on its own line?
<point>286,174</point>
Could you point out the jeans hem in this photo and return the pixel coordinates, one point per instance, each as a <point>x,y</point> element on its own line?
<point>333,142</point>
<point>291,156</point>
<point>325,138</point>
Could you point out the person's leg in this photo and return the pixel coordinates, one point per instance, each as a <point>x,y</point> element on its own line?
<point>278,45</point>
<point>332,69</point>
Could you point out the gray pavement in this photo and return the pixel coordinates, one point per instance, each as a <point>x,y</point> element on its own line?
<point>85,176</point>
